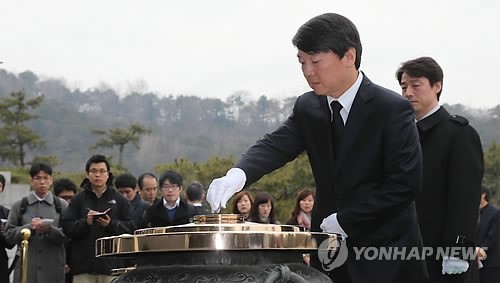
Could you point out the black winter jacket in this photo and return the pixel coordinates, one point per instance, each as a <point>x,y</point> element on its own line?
<point>83,236</point>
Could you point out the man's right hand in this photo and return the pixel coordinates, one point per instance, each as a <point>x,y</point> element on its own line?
<point>90,216</point>
<point>222,189</point>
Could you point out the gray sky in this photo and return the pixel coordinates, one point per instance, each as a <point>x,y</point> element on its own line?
<point>216,48</point>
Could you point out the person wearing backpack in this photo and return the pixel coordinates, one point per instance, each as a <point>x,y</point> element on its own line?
<point>41,212</point>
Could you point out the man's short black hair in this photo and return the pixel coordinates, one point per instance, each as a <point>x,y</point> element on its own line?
<point>172,176</point>
<point>63,184</point>
<point>39,167</point>
<point>126,180</point>
<point>486,190</point>
<point>329,32</point>
<point>195,191</point>
<point>423,67</point>
<point>97,158</point>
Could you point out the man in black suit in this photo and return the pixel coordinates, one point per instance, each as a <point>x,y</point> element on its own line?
<point>488,238</point>
<point>366,160</point>
<point>452,169</point>
<point>195,194</point>
<point>171,209</point>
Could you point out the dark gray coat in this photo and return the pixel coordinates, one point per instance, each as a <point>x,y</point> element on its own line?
<point>46,252</point>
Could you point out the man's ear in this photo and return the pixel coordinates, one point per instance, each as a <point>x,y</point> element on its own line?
<point>437,87</point>
<point>350,56</point>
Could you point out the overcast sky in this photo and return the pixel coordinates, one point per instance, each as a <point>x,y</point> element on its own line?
<point>216,48</point>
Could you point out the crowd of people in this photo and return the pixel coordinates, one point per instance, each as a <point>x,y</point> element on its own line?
<point>65,221</point>
<point>391,170</point>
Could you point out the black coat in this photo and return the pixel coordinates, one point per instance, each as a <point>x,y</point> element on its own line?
<point>156,214</point>
<point>488,235</point>
<point>371,185</point>
<point>83,236</point>
<point>138,208</point>
<point>200,210</point>
<point>453,170</point>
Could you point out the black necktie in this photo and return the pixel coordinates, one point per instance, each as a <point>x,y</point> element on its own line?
<point>337,127</point>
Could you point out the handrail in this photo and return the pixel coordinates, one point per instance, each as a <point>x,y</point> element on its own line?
<point>25,235</point>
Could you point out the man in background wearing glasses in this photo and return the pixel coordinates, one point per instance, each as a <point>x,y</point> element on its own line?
<point>97,211</point>
<point>65,189</point>
<point>171,209</point>
<point>40,212</point>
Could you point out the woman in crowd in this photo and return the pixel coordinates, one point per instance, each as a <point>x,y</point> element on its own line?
<point>301,214</point>
<point>243,203</point>
<point>263,210</point>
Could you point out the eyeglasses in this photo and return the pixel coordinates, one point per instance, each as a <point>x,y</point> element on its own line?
<point>66,197</point>
<point>169,186</point>
<point>95,172</point>
<point>40,178</point>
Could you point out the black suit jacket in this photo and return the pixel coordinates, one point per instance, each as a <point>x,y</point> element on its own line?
<point>371,185</point>
<point>156,214</point>
<point>453,171</point>
<point>488,235</point>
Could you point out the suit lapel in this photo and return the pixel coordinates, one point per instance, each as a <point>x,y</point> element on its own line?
<point>162,211</point>
<point>181,210</point>
<point>360,111</point>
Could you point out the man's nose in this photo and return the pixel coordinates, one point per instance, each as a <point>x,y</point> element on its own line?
<point>407,93</point>
<point>307,70</point>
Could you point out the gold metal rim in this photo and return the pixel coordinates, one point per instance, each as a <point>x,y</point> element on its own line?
<point>219,219</point>
<point>213,241</point>
<point>244,227</point>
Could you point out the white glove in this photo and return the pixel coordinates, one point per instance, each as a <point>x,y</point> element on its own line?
<point>453,265</point>
<point>222,189</point>
<point>331,225</point>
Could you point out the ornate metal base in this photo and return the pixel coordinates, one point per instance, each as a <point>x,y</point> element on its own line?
<point>294,272</point>
<point>220,248</point>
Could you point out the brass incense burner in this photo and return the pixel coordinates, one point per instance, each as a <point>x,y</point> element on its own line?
<point>217,246</point>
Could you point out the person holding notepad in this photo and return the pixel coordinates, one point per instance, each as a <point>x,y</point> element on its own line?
<point>97,211</point>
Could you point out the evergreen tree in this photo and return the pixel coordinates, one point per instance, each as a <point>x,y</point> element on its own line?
<point>15,136</point>
<point>121,137</point>
<point>492,171</point>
